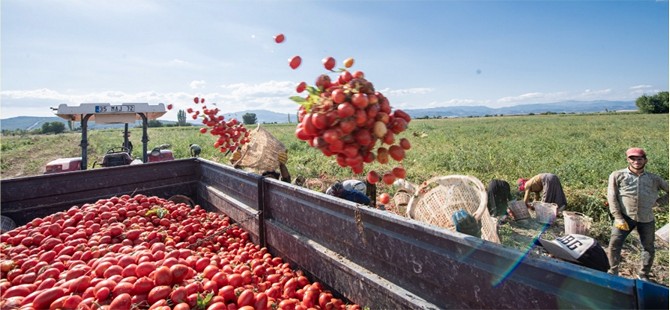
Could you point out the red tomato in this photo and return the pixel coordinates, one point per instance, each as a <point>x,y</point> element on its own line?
<point>121,302</point>
<point>157,293</point>
<point>246,298</point>
<point>396,152</point>
<point>294,62</point>
<point>348,62</point>
<point>162,276</point>
<point>44,299</point>
<point>261,301</point>
<point>301,87</point>
<point>404,143</point>
<point>399,172</point>
<point>328,63</point>
<point>384,198</point>
<point>388,178</point>
<point>279,38</point>
<point>373,177</point>
<point>178,294</point>
<point>179,272</point>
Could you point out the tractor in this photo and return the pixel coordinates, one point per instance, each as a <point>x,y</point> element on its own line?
<point>105,113</point>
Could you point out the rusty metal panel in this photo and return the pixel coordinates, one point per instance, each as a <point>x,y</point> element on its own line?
<point>214,200</point>
<point>448,270</point>
<point>239,184</point>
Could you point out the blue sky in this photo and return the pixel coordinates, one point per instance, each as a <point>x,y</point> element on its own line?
<point>418,53</point>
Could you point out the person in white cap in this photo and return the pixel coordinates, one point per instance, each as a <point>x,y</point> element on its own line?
<point>631,194</point>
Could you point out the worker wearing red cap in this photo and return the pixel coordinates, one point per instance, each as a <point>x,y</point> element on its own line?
<point>632,193</point>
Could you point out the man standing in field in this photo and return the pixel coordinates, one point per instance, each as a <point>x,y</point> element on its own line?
<point>631,194</point>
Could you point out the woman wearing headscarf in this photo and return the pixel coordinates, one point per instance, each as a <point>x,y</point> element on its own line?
<point>546,187</point>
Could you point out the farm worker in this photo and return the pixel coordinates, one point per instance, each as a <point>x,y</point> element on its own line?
<point>352,195</point>
<point>498,195</point>
<point>283,173</point>
<point>351,185</point>
<point>631,195</point>
<point>546,187</point>
<point>195,150</point>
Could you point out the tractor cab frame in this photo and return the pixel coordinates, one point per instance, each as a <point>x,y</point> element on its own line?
<point>106,113</point>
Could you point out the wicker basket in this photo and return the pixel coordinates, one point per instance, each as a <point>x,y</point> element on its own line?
<point>262,151</point>
<point>438,198</point>
<point>401,198</point>
<point>315,184</point>
<point>519,210</point>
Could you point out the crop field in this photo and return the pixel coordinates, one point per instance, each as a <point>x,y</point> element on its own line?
<point>581,149</point>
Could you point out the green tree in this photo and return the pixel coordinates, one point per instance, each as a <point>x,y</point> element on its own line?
<point>653,104</point>
<point>181,118</point>
<point>249,118</point>
<point>154,123</point>
<point>53,127</point>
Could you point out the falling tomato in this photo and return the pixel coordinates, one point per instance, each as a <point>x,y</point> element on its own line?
<point>279,38</point>
<point>301,87</point>
<point>348,62</point>
<point>384,198</point>
<point>169,106</point>
<point>294,62</point>
<point>328,63</point>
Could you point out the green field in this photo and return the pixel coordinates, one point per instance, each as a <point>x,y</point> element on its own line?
<point>581,149</point>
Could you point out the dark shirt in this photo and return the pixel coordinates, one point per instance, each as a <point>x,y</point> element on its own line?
<point>355,196</point>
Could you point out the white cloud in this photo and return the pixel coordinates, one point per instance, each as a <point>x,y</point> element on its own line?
<point>197,84</point>
<point>637,87</point>
<point>406,91</point>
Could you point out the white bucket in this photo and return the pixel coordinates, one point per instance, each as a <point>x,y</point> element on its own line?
<point>663,233</point>
<point>576,223</point>
<point>545,213</point>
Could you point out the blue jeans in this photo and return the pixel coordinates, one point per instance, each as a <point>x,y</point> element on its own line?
<point>647,234</point>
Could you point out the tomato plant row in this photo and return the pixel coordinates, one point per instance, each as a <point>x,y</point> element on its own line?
<point>145,252</point>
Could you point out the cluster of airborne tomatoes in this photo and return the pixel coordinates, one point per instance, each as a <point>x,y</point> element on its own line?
<point>231,133</point>
<point>145,252</point>
<point>347,118</point>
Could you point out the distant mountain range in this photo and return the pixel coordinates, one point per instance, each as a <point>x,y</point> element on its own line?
<point>264,116</point>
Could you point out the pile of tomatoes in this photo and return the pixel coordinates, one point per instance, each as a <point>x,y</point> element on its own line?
<point>346,117</point>
<point>145,252</point>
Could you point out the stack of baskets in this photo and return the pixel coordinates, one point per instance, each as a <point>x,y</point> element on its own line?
<point>262,151</point>
<point>439,198</point>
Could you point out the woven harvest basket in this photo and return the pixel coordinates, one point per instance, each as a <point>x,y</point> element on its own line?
<point>519,209</point>
<point>437,199</point>
<point>401,198</point>
<point>262,151</point>
<point>315,184</point>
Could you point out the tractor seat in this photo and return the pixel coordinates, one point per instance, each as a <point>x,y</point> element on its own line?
<point>116,159</point>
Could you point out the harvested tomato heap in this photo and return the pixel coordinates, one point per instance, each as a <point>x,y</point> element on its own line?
<point>347,117</point>
<point>147,253</point>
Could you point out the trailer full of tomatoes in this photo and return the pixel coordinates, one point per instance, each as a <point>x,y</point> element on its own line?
<point>141,252</point>
<point>346,117</point>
